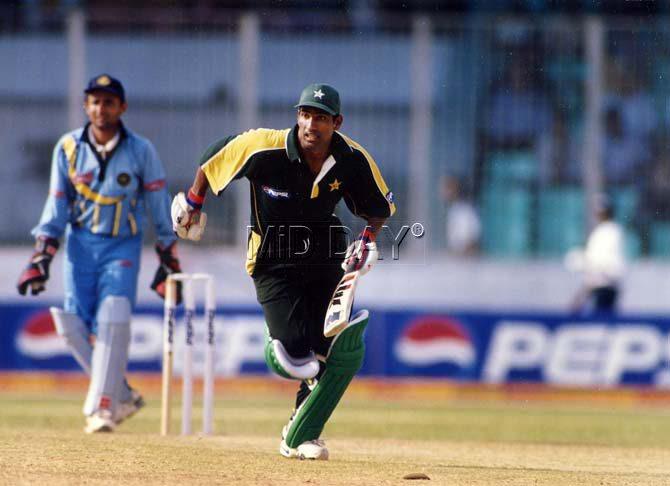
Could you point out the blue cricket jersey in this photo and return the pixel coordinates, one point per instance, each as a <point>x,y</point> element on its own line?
<point>106,197</point>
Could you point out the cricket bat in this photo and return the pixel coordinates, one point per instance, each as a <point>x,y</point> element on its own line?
<point>339,308</point>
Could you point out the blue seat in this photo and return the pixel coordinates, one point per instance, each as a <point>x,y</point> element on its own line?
<point>633,244</point>
<point>506,221</point>
<point>512,167</point>
<point>659,239</point>
<point>561,223</point>
<point>625,202</point>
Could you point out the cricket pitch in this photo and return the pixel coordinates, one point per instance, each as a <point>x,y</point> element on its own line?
<point>453,441</point>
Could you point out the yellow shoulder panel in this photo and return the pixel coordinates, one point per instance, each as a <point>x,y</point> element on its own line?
<point>70,150</point>
<point>227,163</point>
<point>379,180</point>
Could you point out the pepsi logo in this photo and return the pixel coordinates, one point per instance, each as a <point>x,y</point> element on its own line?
<point>38,338</point>
<point>431,340</point>
<point>276,194</point>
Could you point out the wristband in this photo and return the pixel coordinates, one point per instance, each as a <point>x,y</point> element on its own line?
<point>368,235</point>
<point>194,200</point>
<point>46,245</point>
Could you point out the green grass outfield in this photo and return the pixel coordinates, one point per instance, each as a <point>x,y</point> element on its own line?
<point>454,438</point>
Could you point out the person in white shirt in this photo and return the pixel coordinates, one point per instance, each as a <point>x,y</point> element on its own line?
<point>463,226</point>
<point>602,262</point>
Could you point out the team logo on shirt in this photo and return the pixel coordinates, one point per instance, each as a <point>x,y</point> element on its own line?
<point>335,185</point>
<point>275,194</point>
<point>123,179</point>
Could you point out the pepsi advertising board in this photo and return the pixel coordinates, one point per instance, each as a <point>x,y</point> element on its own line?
<point>492,348</point>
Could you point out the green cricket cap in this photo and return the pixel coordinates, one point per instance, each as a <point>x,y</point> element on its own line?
<point>321,96</point>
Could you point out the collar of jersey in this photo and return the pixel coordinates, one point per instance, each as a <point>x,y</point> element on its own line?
<point>123,133</point>
<point>338,146</point>
<point>105,147</point>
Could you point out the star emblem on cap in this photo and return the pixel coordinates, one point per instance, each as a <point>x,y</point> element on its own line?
<point>335,185</point>
<point>319,94</point>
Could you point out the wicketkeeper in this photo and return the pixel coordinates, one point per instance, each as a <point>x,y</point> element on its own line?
<point>103,176</point>
<point>296,247</point>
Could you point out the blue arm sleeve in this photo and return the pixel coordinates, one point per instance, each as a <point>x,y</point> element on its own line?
<point>56,212</point>
<point>157,197</point>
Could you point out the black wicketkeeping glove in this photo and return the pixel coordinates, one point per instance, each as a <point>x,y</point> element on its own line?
<point>37,272</point>
<point>168,264</point>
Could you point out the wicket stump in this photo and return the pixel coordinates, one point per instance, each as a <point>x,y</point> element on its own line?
<point>169,321</point>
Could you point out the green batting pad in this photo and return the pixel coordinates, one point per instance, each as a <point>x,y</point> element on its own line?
<point>273,363</point>
<point>344,360</point>
<point>279,361</point>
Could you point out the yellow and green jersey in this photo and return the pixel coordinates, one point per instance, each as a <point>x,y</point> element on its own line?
<point>284,192</point>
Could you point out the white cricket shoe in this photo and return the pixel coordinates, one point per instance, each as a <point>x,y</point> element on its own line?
<point>284,430</point>
<point>100,421</point>
<point>125,410</point>
<point>312,449</point>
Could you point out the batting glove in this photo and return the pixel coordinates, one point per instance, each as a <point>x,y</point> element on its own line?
<point>37,272</point>
<point>168,264</point>
<point>362,254</point>
<point>188,221</point>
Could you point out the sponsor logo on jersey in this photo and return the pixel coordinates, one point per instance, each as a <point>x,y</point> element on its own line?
<point>275,194</point>
<point>85,178</point>
<point>123,179</point>
<point>431,340</point>
<point>389,197</point>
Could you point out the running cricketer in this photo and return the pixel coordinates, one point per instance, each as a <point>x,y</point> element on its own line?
<point>102,177</point>
<point>296,247</point>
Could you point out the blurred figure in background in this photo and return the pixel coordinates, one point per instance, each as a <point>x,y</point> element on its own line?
<point>463,226</point>
<point>656,197</point>
<point>558,151</point>
<point>628,90</point>
<point>602,263</point>
<point>518,108</point>
<point>653,219</point>
<point>624,155</point>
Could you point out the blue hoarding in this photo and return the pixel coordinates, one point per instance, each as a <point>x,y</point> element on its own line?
<point>463,346</point>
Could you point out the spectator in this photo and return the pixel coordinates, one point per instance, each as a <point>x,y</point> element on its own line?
<point>657,199</point>
<point>627,90</point>
<point>463,224</point>
<point>655,203</point>
<point>518,110</point>
<point>558,152</point>
<point>624,154</point>
<point>602,263</point>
